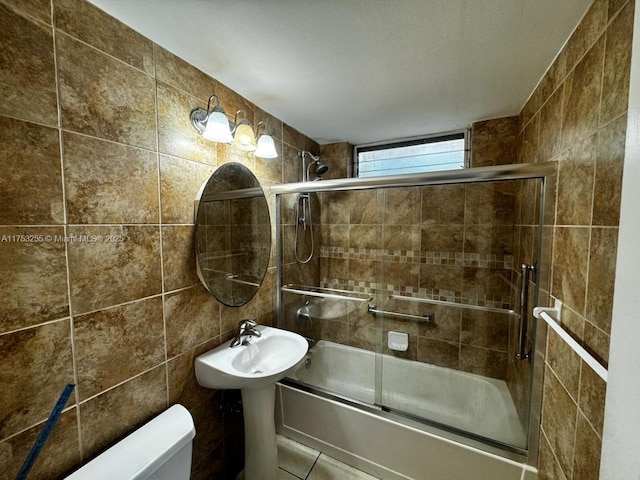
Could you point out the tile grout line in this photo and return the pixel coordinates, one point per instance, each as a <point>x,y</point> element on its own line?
<point>160,229</point>
<point>72,338</point>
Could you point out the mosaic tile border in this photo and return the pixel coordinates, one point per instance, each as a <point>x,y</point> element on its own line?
<point>479,260</point>
<point>373,288</point>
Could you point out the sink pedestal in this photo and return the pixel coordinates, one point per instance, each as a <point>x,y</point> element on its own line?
<point>260,451</point>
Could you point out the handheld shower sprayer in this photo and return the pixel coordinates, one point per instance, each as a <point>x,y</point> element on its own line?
<point>303,203</point>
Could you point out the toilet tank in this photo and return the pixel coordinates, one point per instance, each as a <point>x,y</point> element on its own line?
<point>159,450</point>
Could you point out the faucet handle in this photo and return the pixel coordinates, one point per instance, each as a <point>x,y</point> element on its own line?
<point>247,323</point>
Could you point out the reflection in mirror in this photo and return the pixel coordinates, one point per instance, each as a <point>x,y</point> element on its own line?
<point>233,234</point>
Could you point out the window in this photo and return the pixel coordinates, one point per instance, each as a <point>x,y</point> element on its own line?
<point>427,154</point>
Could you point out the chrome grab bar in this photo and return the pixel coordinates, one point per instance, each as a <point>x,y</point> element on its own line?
<point>522,353</point>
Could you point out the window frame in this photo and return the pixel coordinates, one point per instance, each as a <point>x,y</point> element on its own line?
<point>410,141</point>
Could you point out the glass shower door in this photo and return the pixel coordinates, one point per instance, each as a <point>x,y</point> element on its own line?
<point>450,310</point>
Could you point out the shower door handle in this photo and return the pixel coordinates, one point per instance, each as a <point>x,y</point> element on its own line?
<point>522,353</point>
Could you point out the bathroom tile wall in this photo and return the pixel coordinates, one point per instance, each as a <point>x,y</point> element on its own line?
<point>96,141</point>
<point>577,118</point>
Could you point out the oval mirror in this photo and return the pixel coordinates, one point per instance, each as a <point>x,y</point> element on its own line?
<point>233,234</point>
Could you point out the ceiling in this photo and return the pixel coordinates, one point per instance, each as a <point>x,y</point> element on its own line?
<point>365,70</point>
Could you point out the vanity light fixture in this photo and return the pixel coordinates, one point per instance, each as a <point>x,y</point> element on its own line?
<point>266,146</point>
<point>243,136</point>
<point>213,125</point>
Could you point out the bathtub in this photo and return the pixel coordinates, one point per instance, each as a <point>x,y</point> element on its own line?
<point>375,441</point>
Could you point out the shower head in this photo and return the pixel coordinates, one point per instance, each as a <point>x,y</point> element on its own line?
<point>321,169</point>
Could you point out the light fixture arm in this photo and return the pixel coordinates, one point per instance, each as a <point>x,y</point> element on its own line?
<point>235,123</point>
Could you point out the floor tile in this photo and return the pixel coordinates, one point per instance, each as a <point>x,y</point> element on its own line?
<point>294,457</point>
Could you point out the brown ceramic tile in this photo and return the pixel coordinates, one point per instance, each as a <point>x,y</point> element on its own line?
<point>442,238</point>
<point>592,397</point>
<point>446,325</point>
<point>33,284</point>
<point>273,124</point>
<point>37,9</point>
<point>489,240</point>
<point>60,455</point>
<point>232,101</point>
<point>118,343</point>
<point>180,181</point>
<point>548,466</point>
<point>436,352</point>
<point>365,207</point>
<point>32,184</point>
<point>615,6</point>
<point>402,206</point>
<point>335,235</point>
<point>291,165</point>
<point>494,142</point>
<point>270,168</point>
<point>192,317</point>
<point>36,366</point>
<point>481,361</point>
<point>443,205</point>
<point>109,183</point>
<point>338,157</point>
<point>183,385</point>
<point>27,77</point>
<point>334,268</point>
<point>494,283</point>
<point>490,203</point>
<point>586,463</point>
<point>582,97</point>
<point>102,97</point>
<point>441,277</point>
<point>292,137</point>
<point>82,20</point>
<point>485,329</point>
<point>596,342</point>
<point>228,153</point>
<point>132,404</point>
<point>174,71</point>
<point>564,362</point>
<point>551,127</point>
<point>334,331</point>
<point>176,135</point>
<point>401,274</point>
<point>573,323</point>
<point>617,66</point>
<point>559,420</point>
<point>570,256</point>
<point>402,237</point>
<point>530,151</point>
<point>576,173</point>
<point>609,164</point>
<point>365,236</point>
<point>365,337</point>
<point>178,258</point>
<point>602,269</point>
<point>590,28</point>
<point>106,273</point>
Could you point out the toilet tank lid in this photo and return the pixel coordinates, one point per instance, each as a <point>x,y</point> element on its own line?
<point>143,451</point>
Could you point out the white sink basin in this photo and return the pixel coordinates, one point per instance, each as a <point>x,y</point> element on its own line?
<point>266,359</point>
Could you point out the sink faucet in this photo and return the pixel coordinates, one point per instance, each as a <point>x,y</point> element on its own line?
<point>245,328</point>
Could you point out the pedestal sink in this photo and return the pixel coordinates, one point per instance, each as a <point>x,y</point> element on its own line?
<point>254,368</point>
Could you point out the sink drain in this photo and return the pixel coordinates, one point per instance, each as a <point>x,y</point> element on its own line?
<point>257,371</point>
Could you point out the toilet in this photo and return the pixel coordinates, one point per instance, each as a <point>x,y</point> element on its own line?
<point>159,450</point>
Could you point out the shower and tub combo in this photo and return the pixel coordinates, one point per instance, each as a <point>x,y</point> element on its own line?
<point>414,293</point>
